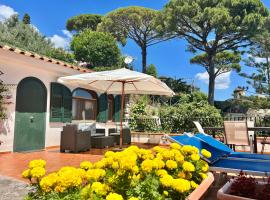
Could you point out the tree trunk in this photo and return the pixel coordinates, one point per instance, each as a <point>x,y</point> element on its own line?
<point>144,54</point>
<point>268,75</point>
<point>211,87</point>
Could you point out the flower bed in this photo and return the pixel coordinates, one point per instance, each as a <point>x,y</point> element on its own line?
<point>133,174</point>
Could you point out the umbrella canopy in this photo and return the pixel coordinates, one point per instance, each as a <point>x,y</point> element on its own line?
<point>119,81</point>
<point>111,82</point>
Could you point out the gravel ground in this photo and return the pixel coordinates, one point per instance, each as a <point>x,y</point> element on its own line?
<point>12,189</point>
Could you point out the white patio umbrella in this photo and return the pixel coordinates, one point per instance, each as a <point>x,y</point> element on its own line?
<point>119,81</point>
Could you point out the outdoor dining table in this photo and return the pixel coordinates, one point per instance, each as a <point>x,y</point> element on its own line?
<point>255,129</point>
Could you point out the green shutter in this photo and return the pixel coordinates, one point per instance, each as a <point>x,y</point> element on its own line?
<point>67,105</point>
<point>103,108</point>
<point>117,108</point>
<point>61,103</point>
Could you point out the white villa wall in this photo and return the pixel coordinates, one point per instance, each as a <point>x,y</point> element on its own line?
<point>15,68</point>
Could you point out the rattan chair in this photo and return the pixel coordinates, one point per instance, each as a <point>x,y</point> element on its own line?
<point>74,140</point>
<point>236,133</point>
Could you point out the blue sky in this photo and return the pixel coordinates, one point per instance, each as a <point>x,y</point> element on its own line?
<point>170,58</point>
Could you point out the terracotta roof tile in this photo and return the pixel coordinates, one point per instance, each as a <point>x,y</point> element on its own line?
<point>44,58</point>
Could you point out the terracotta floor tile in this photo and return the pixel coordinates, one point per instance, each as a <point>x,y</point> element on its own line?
<point>12,164</point>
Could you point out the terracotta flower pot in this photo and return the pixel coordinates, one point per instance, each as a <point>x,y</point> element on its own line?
<point>223,193</point>
<point>202,188</point>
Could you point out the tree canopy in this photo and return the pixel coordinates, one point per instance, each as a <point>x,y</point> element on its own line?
<point>214,26</point>
<point>26,19</point>
<point>81,22</point>
<point>97,49</point>
<point>152,70</point>
<point>135,23</point>
<point>224,62</point>
<point>16,33</point>
<point>259,59</point>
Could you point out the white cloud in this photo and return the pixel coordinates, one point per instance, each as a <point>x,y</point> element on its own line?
<point>59,42</point>
<point>6,12</point>
<point>222,81</point>
<point>67,33</point>
<point>62,41</point>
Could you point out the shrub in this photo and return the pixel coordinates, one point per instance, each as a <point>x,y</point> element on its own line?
<point>190,107</point>
<point>133,174</point>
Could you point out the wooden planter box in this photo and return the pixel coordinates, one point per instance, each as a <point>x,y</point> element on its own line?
<point>202,188</point>
<point>223,192</point>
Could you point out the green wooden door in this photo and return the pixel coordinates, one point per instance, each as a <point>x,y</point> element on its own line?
<point>30,118</point>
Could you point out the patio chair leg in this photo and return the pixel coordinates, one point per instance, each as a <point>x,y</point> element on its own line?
<point>262,148</point>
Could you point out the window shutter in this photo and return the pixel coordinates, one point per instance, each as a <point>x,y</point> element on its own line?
<point>61,103</point>
<point>67,105</point>
<point>103,108</point>
<point>117,108</point>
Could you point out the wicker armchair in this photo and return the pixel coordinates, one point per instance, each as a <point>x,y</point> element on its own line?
<point>126,135</point>
<point>74,140</point>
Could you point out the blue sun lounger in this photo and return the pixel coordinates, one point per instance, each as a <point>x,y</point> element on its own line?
<point>223,158</point>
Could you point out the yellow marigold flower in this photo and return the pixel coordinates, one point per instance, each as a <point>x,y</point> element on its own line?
<point>95,174</point>
<point>193,185</point>
<point>133,198</point>
<point>37,172</point>
<point>179,158</point>
<point>59,189</point>
<point>171,164</point>
<point>99,188</point>
<point>158,149</point>
<point>182,175</point>
<point>114,196</point>
<point>115,165</point>
<point>203,175</point>
<point>167,154</point>
<point>195,157</point>
<point>181,185</point>
<point>100,164</point>
<point>206,153</point>
<point>166,193</point>
<point>109,154</point>
<point>166,180</point>
<point>26,173</point>
<point>188,149</point>
<point>175,146</point>
<point>159,163</point>
<point>136,177</point>
<point>205,168</point>
<point>147,166</point>
<point>161,172</point>
<point>135,169</point>
<point>85,192</point>
<point>37,163</point>
<point>48,182</point>
<point>188,167</point>
<point>86,165</point>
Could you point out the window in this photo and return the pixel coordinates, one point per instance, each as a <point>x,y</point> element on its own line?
<point>84,105</point>
<point>110,107</point>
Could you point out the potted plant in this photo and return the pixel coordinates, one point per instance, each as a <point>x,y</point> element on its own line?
<point>245,187</point>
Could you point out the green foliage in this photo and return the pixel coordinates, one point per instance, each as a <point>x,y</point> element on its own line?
<point>259,60</point>
<point>85,21</point>
<point>152,70</point>
<point>97,49</point>
<point>135,23</point>
<point>224,62</point>
<point>70,195</point>
<point>178,85</point>
<point>26,19</point>
<point>231,24</point>
<point>147,189</point>
<point>142,119</point>
<point>189,108</point>
<point>3,89</point>
<point>18,34</point>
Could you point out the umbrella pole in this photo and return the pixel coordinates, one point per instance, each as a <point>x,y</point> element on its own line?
<point>121,114</point>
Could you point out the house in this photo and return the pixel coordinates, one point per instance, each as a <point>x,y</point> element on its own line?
<point>40,106</point>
